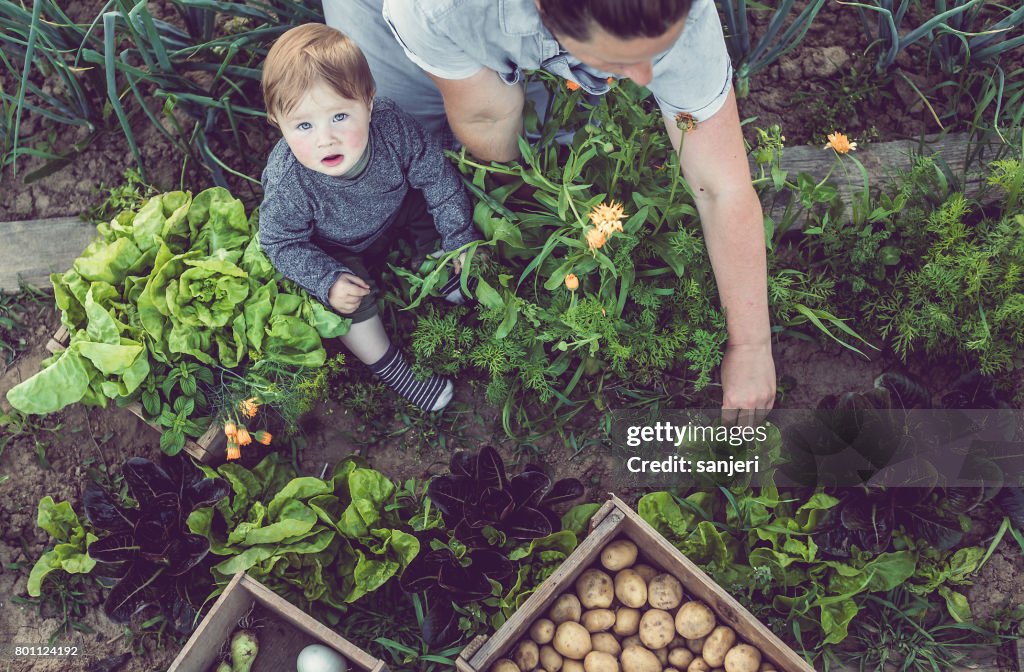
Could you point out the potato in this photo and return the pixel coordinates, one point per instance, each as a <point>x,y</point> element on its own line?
<point>680,657</point>
<point>631,589</point>
<point>632,640</point>
<point>619,555</point>
<point>572,640</point>
<point>639,659</point>
<point>566,608</point>
<point>646,572</point>
<point>670,669</point>
<point>696,644</point>
<point>599,661</point>
<point>595,589</point>
<point>664,592</point>
<point>695,620</point>
<point>542,631</point>
<point>656,629</point>
<point>573,666</point>
<point>718,644</point>
<point>742,658</point>
<point>627,621</point>
<point>505,665</point>
<point>606,642</point>
<point>550,660</point>
<point>661,655</point>
<point>698,664</point>
<point>598,620</point>
<point>766,667</point>
<point>526,655</point>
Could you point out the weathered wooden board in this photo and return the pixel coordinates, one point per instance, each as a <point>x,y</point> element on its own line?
<point>954,152</point>
<point>35,248</point>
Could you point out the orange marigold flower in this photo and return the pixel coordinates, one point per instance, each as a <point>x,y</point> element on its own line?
<point>249,407</point>
<point>840,143</point>
<point>572,282</point>
<point>263,436</point>
<point>233,451</point>
<point>230,430</point>
<point>611,80</point>
<point>595,238</point>
<point>686,122</point>
<point>571,85</point>
<point>243,437</point>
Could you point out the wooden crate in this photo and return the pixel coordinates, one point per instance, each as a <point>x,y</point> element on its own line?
<point>208,447</point>
<point>616,520</point>
<point>284,631</point>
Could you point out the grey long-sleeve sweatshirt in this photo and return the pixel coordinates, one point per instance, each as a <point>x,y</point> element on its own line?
<point>301,205</point>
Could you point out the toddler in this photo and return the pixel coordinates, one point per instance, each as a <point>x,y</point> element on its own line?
<point>351,175</point>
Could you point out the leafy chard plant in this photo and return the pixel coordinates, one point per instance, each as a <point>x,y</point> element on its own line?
<point>149,549</point>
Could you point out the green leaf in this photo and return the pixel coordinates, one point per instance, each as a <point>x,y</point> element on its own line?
<point>577,519</point>
<point>62,383</point>
<point>957,605</point>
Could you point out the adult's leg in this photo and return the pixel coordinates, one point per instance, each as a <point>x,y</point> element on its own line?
<point>396,76</point>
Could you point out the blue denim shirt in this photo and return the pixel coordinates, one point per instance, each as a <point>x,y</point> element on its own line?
<point>455,39</point>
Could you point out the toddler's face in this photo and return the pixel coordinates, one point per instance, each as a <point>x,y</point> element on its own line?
<point>327,132</point>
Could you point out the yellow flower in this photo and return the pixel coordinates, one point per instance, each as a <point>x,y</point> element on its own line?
<point>571,85</point>
<point>572,282</point>
<point>263,436</point>
<point>233,451</point>
<point>243,437</point>
<point>840,143</point>
<point>249,407</point>
<point>230,430</point>
<point>595,238</point>
<point>607,218</point>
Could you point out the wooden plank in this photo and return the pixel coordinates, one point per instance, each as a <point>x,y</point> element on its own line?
<point>881,160</point>
<point>35,248</point>
<point>283,631</point>
<point>202,647</point>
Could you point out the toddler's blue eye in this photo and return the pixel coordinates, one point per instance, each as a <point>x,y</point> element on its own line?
<point>304,126</point>
<point>340,116</point>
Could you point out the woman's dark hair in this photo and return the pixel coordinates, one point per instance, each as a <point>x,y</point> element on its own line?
<point>622,18</point>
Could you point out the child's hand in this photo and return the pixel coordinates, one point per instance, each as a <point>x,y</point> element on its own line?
<point>346,293</point>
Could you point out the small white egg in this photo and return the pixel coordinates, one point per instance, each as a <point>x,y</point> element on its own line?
<point>320,658</point>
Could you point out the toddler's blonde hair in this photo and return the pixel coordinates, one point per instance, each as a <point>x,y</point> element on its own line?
<point>309,54</point>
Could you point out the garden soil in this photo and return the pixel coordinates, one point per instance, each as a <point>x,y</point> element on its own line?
<point>56,455</point>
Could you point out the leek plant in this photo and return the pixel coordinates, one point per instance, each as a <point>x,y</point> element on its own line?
<point>195,80</point>
<point>778,39</point>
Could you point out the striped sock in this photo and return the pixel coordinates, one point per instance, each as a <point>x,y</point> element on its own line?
<point>431,394</point>
<point>452,291</point>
